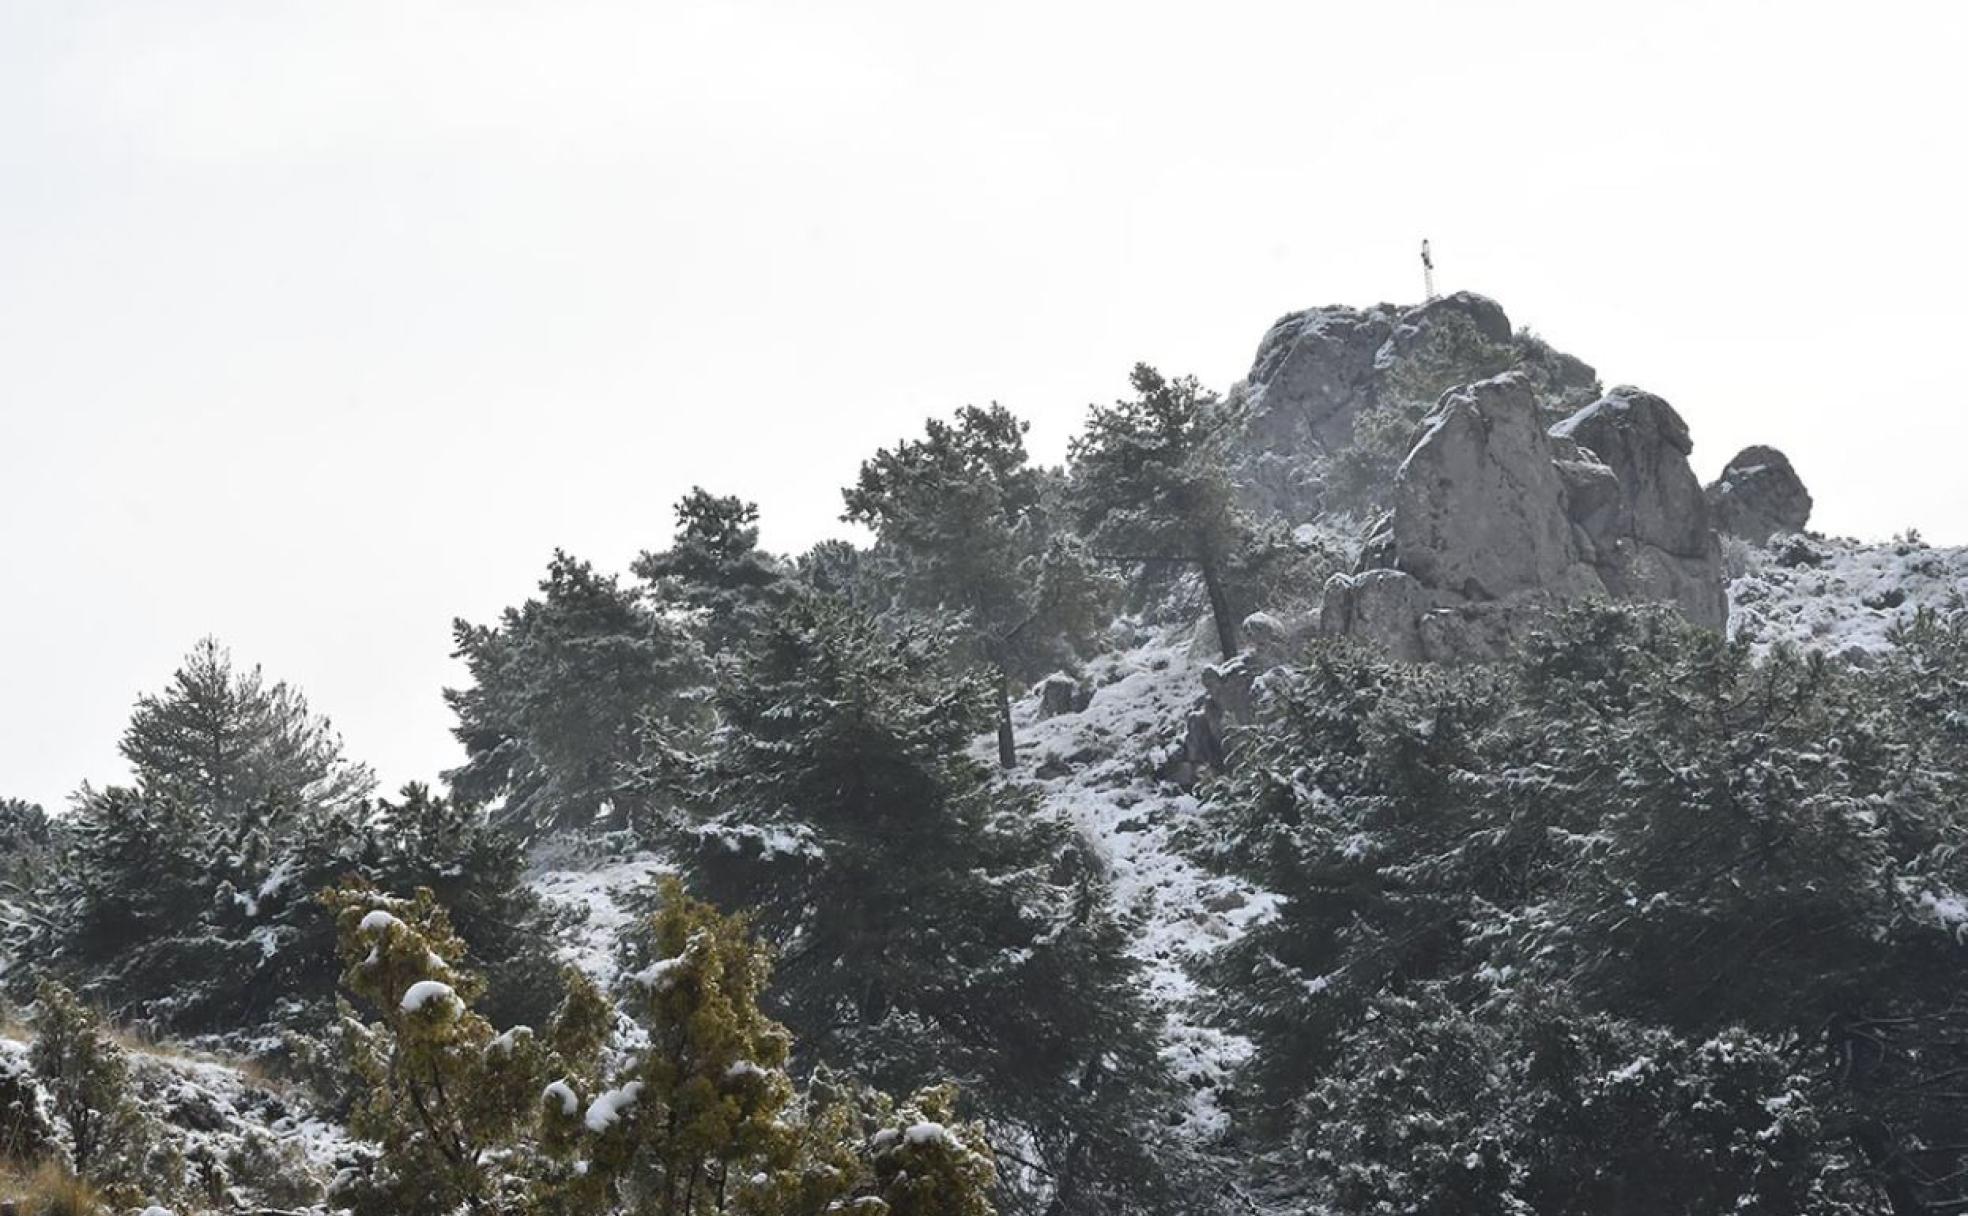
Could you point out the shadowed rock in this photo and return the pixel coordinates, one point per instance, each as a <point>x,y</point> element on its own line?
<point>1759,495</point>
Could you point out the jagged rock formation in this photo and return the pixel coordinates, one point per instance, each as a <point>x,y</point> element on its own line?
<point>1479,505</point>
<point>1318,370</point>
<point>1759,495</point>
<point>1496,520</point>
<point>1651,540</point>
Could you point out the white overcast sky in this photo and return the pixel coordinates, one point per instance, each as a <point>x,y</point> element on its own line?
<point>323,323</point>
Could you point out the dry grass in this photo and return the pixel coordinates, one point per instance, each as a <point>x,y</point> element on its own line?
<point>249,1068</point>
<point>140,1044</point>
<point>49,1190</point>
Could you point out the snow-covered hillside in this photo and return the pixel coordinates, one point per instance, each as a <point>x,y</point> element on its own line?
<point>1097,767</point>
<point>1840,596</point>
<point>597,891</point>
<point>260,1146</point>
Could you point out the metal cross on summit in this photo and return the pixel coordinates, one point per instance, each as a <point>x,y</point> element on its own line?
<point>1427,270</point>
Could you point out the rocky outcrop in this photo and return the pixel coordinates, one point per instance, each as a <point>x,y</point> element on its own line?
<point>1382,606</point>
<point>1758,496</point>
<point>1479,505</point>
<point>1652,541</point>
<point>1496,520</point>
<point>1317,370</point>
<point>1229,699</point>
<point>1314,370</point>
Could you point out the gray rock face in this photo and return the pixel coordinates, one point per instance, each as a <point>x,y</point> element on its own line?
<point>1313,372</point>
<point>1759,495</point>
<point>1229,699</point>
<point>1497,521</point>
<point>1484,313</point>
<point>1384,607</point>
<point>1659,544</point>
<point>1317,370</point>
<point>1479,505</point>
<point>1646,445</point>
<point>1273,640</point>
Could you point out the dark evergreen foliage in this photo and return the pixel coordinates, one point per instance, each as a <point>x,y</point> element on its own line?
<point>1152,486</point>
<point>715,569</point>
<point>563,690</point>
<point>965,512</point>
<point>185,903</point>
<point>1636,923</point>
<point>928,919</point>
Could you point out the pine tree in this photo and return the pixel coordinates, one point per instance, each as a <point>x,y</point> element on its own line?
<point>715,570</point>
<point>155,913</point>
<point>563,690</point>
<point>84,1072</point>
<point>1526,1103</point>
<point>1153,486</point>
<point>1340,799</point>
<point>25,834</point>
<point>704,1100</point>
<point>963,509</point>
<point>29,843</point>
<point>448,1100</point>
<point>150,902</point>
<point>134,872</point>
<point>223,742</point>
<point>867,580</point>
<point>1694,891</point>
<point>931,919</point>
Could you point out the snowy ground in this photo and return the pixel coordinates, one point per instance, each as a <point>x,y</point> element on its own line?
<point>598,891</point>
<point>1096,767</point>
<point>1841,596</point>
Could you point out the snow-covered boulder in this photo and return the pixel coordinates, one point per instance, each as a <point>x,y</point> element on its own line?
<point>1060,693</point>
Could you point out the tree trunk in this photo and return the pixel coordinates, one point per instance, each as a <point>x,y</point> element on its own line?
<point>1226,624</point>
<point>1007,745</point>
<point>1886,1160</point>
